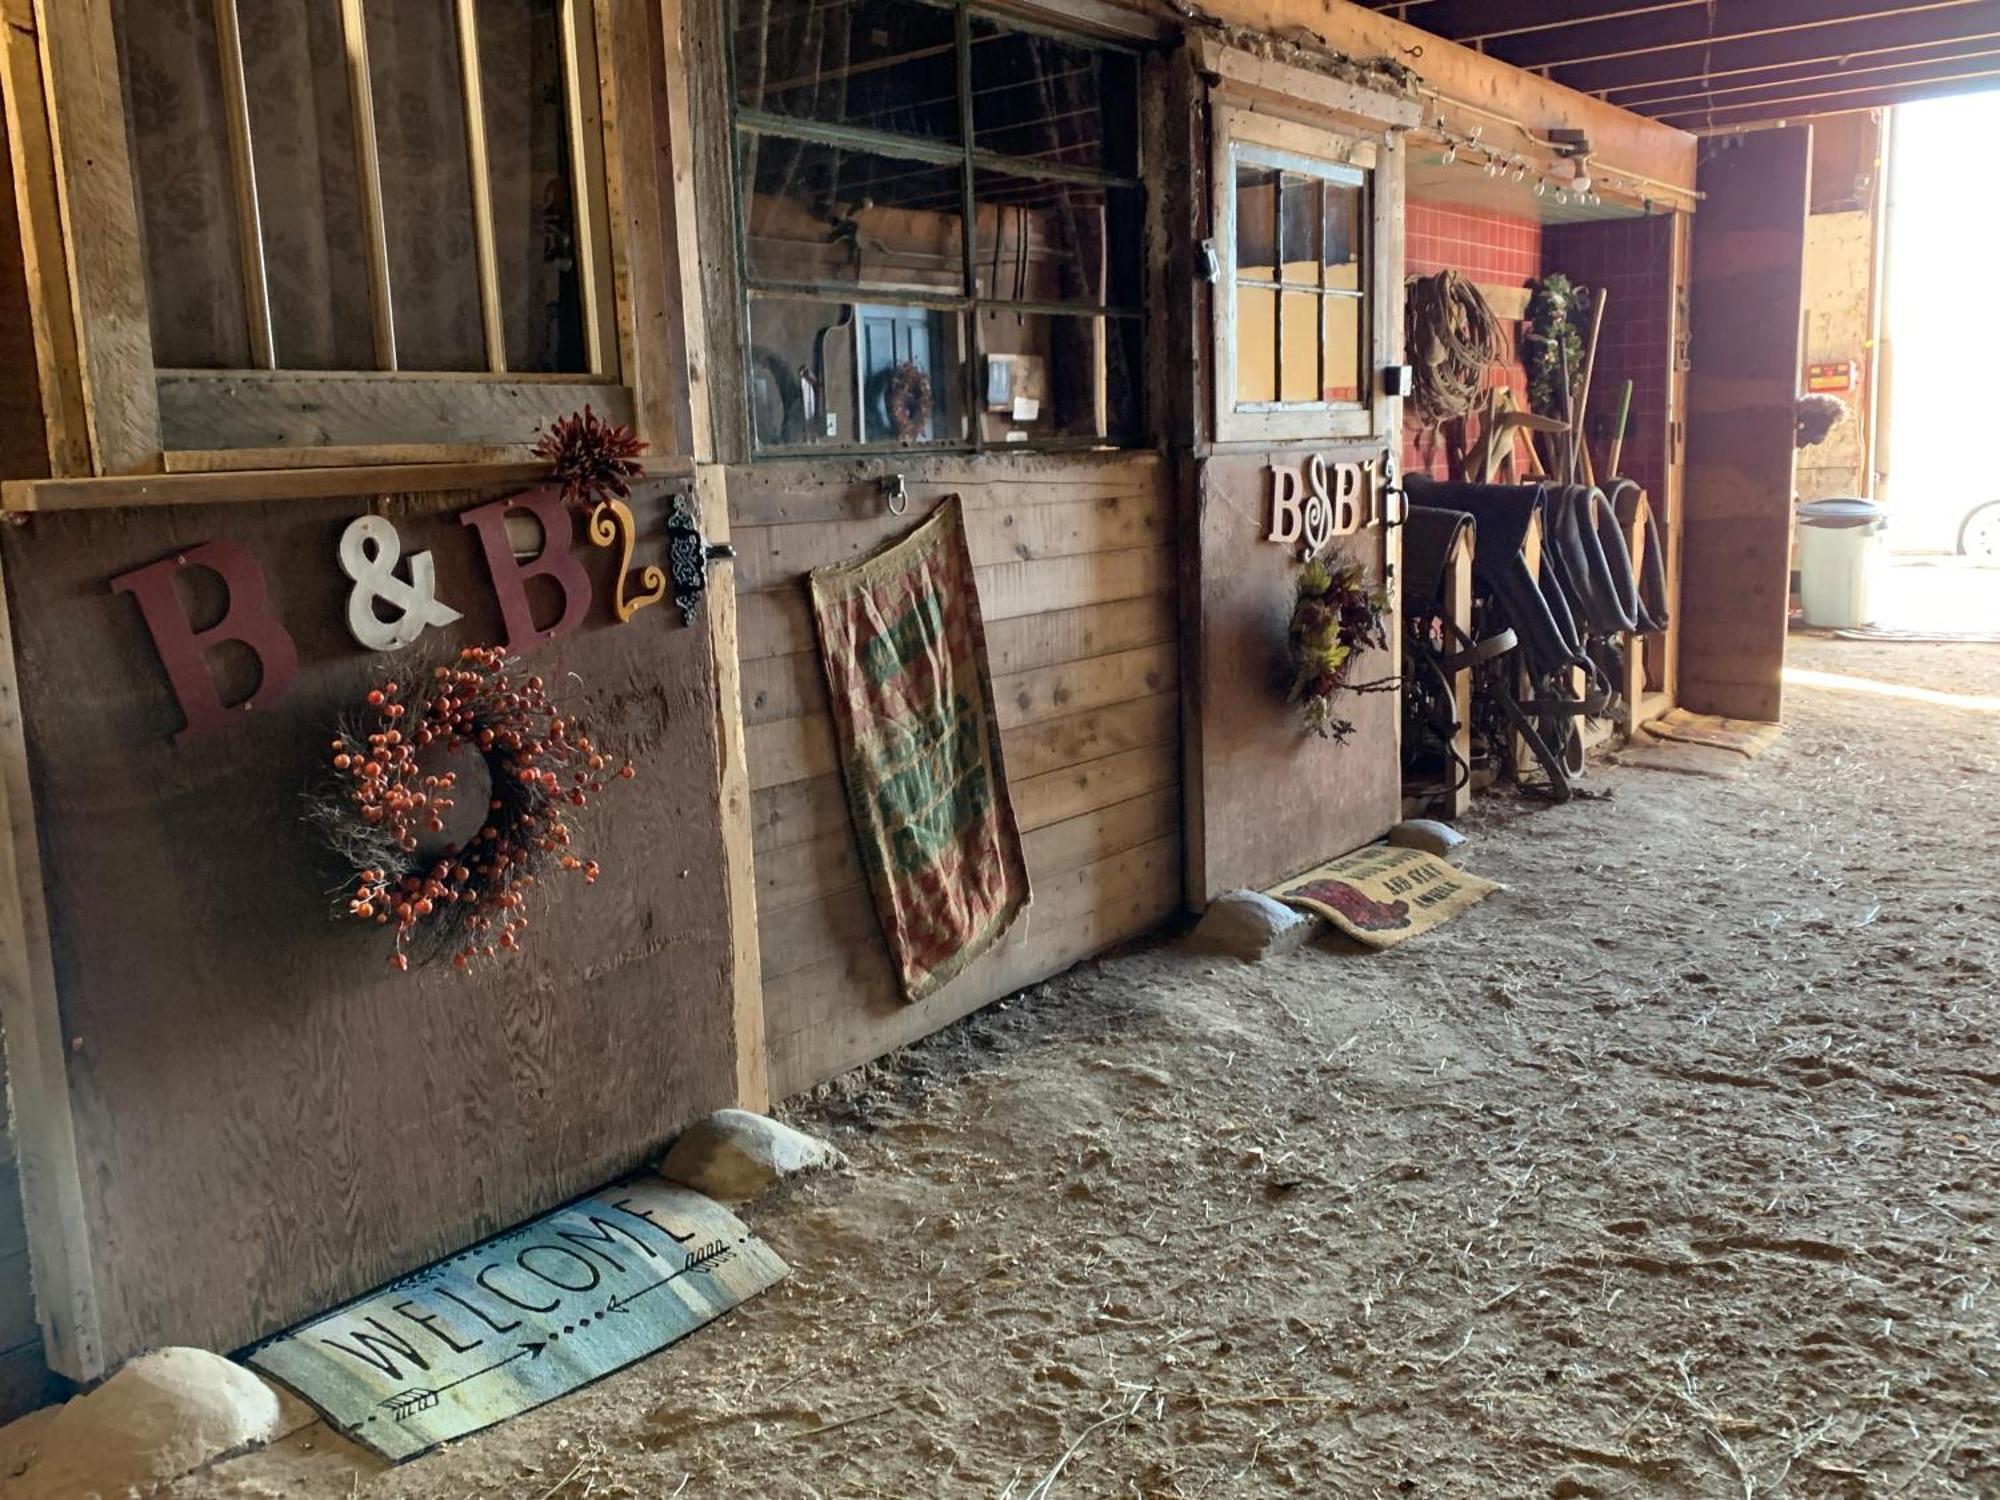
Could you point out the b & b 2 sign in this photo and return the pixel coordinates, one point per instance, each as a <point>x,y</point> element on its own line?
<point>1314,502</point>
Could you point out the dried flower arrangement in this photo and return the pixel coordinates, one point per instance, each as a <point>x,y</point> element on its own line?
<point>392,783</point>
<point>1335,617</point>
<point>593,460</point>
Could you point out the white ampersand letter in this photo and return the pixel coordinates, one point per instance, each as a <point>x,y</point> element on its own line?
<point>369,552</point>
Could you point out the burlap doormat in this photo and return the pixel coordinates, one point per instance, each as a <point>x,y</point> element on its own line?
<point>1745,736</point>
<point>1381,896</point>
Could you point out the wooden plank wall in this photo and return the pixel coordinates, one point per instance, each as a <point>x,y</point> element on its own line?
<point>1076,573</point>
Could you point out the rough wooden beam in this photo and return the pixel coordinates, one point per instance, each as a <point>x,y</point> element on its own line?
<point>1483,90</point>
<point>1833,42</point>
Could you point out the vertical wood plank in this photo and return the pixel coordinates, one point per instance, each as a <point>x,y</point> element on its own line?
<point>368,160</point>
<point>243,167</point>
<point>472,88</point>
<point>753,1085</point>
<point>587,83</point>
<point>100,217</point>
<point>37,1069</point>
<point>680,243</point>
<point>647,339</point>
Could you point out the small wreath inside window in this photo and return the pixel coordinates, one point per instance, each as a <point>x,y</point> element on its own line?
<point>908,400</point>
<point>1335,618</point>
<point>449,797</point>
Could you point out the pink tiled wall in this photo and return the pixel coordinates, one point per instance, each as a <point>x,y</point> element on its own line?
<point>1490,248</point>
<point>1632,261</point>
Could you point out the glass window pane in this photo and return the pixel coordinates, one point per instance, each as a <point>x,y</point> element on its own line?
<point>426,184</point>
<point>1056,376</point>
<point>186,186</point>
<point>880,64</point>
<point>1344,344</point>
<point>308,184</point>
<point>1300,229</point>
<point>1256,344</point>
<point>827,214</point>
<point>525,86</point>
<point>1256,223</point>
<point>1343,237</point>
<point>844,373</point>
<point>1043,241</point>
<point>1042,99</point>
<point>1299,369</point>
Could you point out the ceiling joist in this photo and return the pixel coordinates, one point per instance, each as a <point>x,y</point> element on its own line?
<point>1704,64</point>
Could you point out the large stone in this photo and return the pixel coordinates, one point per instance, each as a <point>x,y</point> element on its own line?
<point>1250,925</point>
<point>735,1155</point>
<point>163,1415</point>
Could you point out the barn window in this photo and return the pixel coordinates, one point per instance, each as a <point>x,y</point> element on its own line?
<point>1294,308</point>
<point>383,187</point>
<point>940,219</point>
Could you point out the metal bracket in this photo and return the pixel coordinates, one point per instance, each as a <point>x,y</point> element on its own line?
<point>896,494</point>
<point>689,556</point>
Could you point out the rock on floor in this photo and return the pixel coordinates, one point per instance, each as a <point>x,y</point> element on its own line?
<point>1250,925</point>
<point>163,1415</point>
<point>734,1155</point>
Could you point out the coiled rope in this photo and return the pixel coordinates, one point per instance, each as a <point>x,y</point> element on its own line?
<point>1454,341</point>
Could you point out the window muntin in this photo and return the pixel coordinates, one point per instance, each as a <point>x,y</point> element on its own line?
<point>985,234</point>
<point>1299,282</point>
<point>366,185</point>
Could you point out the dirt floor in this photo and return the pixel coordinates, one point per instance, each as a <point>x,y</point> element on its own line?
<point>1671,1171</point>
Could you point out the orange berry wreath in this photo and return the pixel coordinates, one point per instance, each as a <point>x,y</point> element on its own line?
<point>399,774</point>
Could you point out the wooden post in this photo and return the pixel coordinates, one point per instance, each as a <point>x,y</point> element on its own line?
<point>1531,554</point>
<point>100,222</point>
<point>37,1061</point>
<point>1634,685</point>
<point>1458,605</point>
<point>753,1083</point>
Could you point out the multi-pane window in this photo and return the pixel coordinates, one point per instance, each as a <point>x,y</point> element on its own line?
<point>369,185</point>
<point>1300,293</point>
<point>940,226</point>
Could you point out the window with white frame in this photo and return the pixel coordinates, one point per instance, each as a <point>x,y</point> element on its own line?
<point>1294,306</point>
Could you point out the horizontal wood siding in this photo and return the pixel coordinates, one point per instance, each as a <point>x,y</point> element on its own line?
<point>1076,572</point>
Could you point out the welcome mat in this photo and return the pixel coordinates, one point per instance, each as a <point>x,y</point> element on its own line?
<point>523,1318</point>
<point>1382,896</point>
<point>1751,737</point>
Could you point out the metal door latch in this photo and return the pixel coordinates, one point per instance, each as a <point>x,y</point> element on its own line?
<point>689,556</point>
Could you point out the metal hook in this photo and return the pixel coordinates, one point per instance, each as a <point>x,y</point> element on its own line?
<point>896,494</point>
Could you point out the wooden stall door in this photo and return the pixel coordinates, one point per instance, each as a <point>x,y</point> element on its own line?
<point>1074,562</point>
<point>239,1113</point>
<point>1746,315</point>
<point>1267,798</point>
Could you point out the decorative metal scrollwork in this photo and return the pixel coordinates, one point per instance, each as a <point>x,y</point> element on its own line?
<point>689,554</point>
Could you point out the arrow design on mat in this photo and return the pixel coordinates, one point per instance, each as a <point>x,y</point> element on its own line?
<point>406,1404</point>
<point>702,1260</point>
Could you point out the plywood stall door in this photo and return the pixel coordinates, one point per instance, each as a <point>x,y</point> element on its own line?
<point>1746,320</point>
<point>272,1119</point>
<point>1273,799</point>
